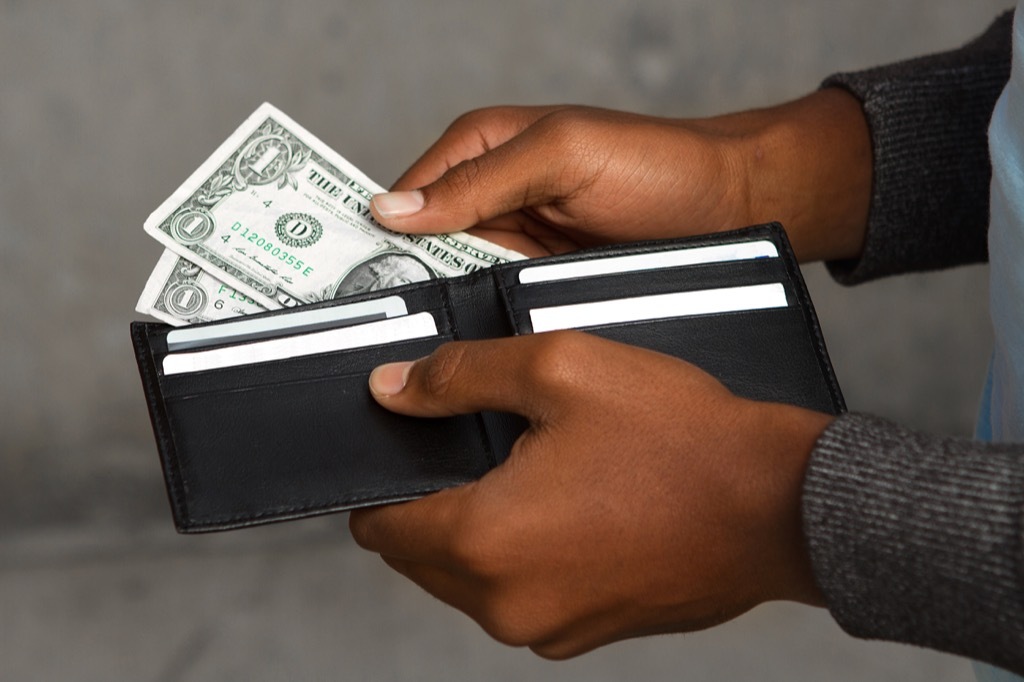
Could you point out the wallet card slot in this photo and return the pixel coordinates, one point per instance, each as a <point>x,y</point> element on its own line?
<point>753,275</point>
<point>270,452</point>
<point>509,274</point>
<point>765,355</point>
<point>418,297</point>
<point>684,278</point>
<point>301,321</point>
<point>350,362</point>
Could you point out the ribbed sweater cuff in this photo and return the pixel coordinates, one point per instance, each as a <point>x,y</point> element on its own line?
<point>918,539</point>
<point>928,119</point>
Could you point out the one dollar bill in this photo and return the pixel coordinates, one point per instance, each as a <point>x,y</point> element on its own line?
<point>277,215</point>
<point>179,292</point>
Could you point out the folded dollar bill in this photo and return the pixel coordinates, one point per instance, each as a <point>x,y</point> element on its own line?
<point>275,218</point>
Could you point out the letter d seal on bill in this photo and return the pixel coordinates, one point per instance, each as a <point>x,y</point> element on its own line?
<point>298,229</point>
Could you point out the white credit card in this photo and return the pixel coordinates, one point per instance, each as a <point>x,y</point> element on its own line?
<point>420,325</point>
<point>296,322</point>
<point>719,253</point>
<point>659,306</point>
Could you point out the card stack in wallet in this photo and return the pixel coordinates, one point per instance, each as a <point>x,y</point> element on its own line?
<point>269,417</point>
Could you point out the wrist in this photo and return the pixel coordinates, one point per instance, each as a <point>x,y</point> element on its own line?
<point>807,164</point>
<point>787,438</point>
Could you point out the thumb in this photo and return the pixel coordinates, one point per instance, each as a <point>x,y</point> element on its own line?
<point>517,174</point>
<point>462,377</point>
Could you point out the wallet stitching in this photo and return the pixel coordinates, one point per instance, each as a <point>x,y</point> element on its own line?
<point>161,424</point>
<point>446,307</point>
<point>518,316</point>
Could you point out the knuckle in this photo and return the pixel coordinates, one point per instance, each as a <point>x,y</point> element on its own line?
<point>476,119</point>
<point>556,650</point>
<point>508,633</point>
<point>463,177</point>
<point>581,137</point>
<point>442,369</point>
<point>359,527</point>
<point>556,360</point>
<point>503,618</point>
<point>565,128</point>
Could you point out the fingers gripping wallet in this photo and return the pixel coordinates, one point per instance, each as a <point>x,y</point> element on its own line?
<point>269,417</point>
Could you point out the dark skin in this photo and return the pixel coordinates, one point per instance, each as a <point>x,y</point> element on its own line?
<point>644,497</point>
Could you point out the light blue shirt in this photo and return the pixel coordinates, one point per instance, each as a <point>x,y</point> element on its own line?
<point>1001,415</point>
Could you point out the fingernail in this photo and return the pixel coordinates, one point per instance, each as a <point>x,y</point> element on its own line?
<point>387,380</point>
<point>396,204</point>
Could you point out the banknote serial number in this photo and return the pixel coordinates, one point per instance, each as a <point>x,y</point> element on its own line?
<point>272,249</point>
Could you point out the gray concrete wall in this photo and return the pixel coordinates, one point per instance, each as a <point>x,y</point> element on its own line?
<point>106,106</point>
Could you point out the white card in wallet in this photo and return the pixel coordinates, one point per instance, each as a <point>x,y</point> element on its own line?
<point>297,322</point>
<point>419,325</point>
<point>719,253</point>
<point>659,306</point>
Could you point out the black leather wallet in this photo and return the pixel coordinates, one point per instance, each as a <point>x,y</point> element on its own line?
<point>287,438</point>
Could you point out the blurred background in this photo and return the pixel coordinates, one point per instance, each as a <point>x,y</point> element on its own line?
<point>106,106</point>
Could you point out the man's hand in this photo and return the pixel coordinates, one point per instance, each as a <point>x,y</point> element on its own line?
<point>643,498</point>
<point>547,180</point>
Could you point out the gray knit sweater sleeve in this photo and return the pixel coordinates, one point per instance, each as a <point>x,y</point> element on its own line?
<point>929,119</point>
<point>917,538</point>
